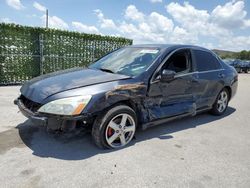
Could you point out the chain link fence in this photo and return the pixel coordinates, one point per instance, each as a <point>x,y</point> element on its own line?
<point>27,52</point>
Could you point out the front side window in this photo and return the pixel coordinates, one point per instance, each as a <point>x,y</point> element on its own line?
<point>178,62</point>
<point>130,61</point>
<point>205,61</point>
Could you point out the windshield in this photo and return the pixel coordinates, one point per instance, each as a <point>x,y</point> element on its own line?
<point>129,61</point>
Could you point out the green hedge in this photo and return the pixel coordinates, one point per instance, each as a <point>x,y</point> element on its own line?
<point>27,52</point>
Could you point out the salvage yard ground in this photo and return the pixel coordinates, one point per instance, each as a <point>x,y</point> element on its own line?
<point>203,151</point>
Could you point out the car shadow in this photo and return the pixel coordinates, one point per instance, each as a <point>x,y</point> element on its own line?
<point>80,146</point>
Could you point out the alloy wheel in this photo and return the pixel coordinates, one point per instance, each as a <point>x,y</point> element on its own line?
<point>222,101</point>
<point>120,130</point>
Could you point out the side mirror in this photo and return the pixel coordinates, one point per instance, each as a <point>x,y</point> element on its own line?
<point>167,75</point>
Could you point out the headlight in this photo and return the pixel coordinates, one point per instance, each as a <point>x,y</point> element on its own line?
<point>66,106</point>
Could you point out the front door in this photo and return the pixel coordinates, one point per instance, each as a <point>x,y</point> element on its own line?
<point>168,99</point>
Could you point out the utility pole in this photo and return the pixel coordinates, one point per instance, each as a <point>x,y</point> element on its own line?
<point>47,18</point>
<point>41,53</point>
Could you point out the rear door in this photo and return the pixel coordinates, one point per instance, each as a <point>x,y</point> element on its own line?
<point>209,75</point>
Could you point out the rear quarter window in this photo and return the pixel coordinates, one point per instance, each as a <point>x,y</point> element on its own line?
<point>205,61</point>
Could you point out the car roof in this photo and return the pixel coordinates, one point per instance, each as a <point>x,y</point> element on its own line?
<point>168,46</point>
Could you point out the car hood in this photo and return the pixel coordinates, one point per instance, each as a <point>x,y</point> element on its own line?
<point>41,87</point>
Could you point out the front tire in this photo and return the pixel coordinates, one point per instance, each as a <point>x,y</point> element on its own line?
<point>221,103</point>
<point>115,128</point>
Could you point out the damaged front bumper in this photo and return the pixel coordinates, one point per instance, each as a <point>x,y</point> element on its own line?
<point>51,121</point>
<point>35,118</point>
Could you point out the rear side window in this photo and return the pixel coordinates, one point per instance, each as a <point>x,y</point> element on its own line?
<point>205,61</point>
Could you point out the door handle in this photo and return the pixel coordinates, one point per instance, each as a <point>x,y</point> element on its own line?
<point>221,75</point>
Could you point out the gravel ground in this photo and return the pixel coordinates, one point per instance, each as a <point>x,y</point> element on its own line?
<point>203,151</point>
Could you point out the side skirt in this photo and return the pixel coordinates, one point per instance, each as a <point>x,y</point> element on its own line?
<point>166,120</point>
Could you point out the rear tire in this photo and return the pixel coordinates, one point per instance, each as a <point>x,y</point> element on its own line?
<point>115,128</point>
<point>221,103</point>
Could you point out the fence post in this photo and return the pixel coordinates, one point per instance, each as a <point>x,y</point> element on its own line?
<point>41,52</point>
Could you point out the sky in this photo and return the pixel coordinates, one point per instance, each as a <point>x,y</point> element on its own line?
<point>214,24</point>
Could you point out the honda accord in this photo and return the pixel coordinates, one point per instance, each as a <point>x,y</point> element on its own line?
<point>132,87</point>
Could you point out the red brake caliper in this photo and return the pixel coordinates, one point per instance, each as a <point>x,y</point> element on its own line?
<point>110,132</point>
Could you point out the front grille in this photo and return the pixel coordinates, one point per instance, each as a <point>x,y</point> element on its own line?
<point>31,105</point>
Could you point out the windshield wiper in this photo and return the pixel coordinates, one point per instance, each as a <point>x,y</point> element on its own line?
<point>106,70</point>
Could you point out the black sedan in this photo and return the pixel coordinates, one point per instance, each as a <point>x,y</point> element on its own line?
<point>132,87</point>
